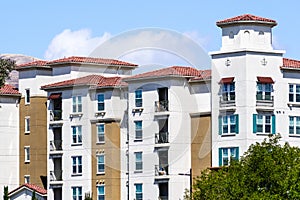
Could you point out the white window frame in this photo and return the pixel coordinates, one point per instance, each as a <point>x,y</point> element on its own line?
<point>228,91</point>
<point>264,90</point>
<point>27,154</point>
<point>101,196</point>
<point>293,93</point>
<point>294,125</point>
<point>138,99</point>
<point>27,96</point>
<point>26,178</point>
<point>230,122</point>
<point>77,137</point>
<point>138,161</point>
<point>232,153</point>
<point>77,166</point>
<point>262,120</point>
<point>100,103</point>
<point>138,131</point>
<point>137,192</point>
<point>100,163</point>
<point>77,195</point>
<point>100,134</point>
<point>27,124</point>
<point>77,104</point>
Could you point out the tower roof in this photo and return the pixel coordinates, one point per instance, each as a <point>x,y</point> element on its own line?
<point>247,19</point>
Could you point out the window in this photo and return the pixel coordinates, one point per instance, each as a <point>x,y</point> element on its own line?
<point>264,123</point>
<point>294,127</point>
<point>76,104</point>
<point>100,133</point>
<point>100,163</point>
<point>27,153</point>
<point>27,179</point>
<point>101,192</point>
<point>228,91</point>
<point>76,135</point>
<point>77,193</point>
<point>100,102</point>
<point>77,164</point>
<point>264,91</point>
<point>138,130</point>
<point>228,154</point>
<point>27,124</point>
<point>228,124</point>
<point>139,191</point>
<point>294,93</point>
<point>27,96</point>
<point>138,98</point>
<point>138,161</point>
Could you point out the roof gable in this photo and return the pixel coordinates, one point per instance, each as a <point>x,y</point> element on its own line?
<point>27,186</point>
<point>246,18</point>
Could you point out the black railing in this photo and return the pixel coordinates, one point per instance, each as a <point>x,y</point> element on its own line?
<point>56,175</point>
<point>55,115</point>
<point>162,137</point>
<point>161,106</point>
<point>55,145</point>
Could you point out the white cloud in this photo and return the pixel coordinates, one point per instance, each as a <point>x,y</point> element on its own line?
<point>74,43</point>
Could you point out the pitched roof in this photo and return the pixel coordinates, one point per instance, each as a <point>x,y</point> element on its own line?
<point>204,75</point>
<point>78,60</point>
<point>246,18</point>
<point>96,80</point>
<point>8,90</point>
<point>178,71</point>
<point>290,64</point>
<point>36,188</point>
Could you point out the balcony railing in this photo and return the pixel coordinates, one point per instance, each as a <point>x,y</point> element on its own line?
<point>161,170</point>
<point>161,106</point>
<point>56,175</point>
<point>266,100</point>
<point>55,145</point>
<point>55,115</point>
<point>161,138</point>
<point>226,102</point>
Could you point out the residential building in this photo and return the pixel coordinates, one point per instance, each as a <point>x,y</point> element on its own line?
<point>9,134</point>
<point>26,191</point>
<point>254,89</point>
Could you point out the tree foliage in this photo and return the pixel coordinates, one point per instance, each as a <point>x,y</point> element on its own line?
<point>6,66</point>
<point>5,193</point>
<point>33,197</point>
<point>267,170</point>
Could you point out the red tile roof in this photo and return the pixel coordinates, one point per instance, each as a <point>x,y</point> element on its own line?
<point>8,90</point>
<point>96,80</point>
<point>36,188</point>
<point>77,59</point>
<point>204,75</point>
<point>170,71</point>
<point>246,18</point>
<point>290,64</point>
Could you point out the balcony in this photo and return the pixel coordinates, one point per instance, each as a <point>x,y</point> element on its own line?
<point>161,106</point>
<point>161,138</point>
<point>55,115</point>
<point>56,177</point>
<point>226,103</point>
<point>264,101</point>
<point>161,170</point>
<point>55,145</point>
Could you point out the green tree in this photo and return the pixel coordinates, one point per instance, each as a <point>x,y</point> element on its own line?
<point>267,170</point>
<point>33,196</point>
<point>5,193</point>
<point>6,66</point>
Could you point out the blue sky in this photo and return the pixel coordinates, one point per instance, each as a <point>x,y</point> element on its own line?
<point>50,29</point>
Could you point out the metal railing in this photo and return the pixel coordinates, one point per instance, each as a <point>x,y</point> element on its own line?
<point>161,170</point>
<point>55,115</point>
<point>55,145</point>
<point>266,100</point>
<point>161,106</point>
<point>56,175</point>
<point>162,137</point>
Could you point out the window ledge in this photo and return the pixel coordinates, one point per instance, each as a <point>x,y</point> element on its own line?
<point>138,140</point>
<point>137,110</point>
<point>27,132</point>
<point>27,162</point>
<point>293,104</point>
<point>76,115</point>
<point>294,135</point>
<point>138,171</point>
<point>76,174</point>
<point>76,144</point>
<point>100,142</point>
<point>264,134</point>
<point>100,173</point>
<point>100,113</point>
<point>228,135</point>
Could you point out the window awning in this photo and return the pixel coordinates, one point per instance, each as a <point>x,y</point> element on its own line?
<point>265,80</point>
<point>226,80</point>
<point>54,96</point>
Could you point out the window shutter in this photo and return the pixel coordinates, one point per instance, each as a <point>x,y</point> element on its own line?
<point>220,125</point>
<point>273,124</point>
<point>237,153</point>
<point>254,123</point>
<point>220,157</point>
<point>236,124</point>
